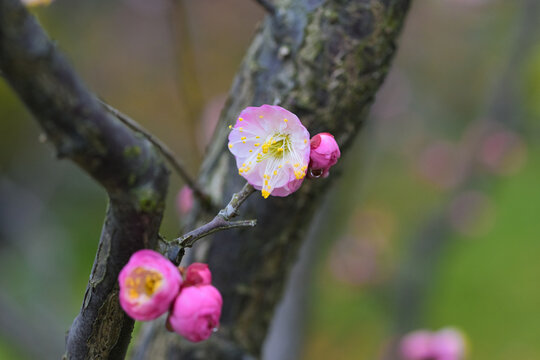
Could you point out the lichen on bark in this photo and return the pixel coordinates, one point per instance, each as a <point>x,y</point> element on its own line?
<point>324,61</point>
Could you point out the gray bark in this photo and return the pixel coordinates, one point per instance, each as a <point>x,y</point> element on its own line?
<point>324,61</point>
<point>124,163</point>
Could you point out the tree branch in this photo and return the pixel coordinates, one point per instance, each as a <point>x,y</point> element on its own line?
<point>176,163</point>
<point>126,165</point>
<point>222,221</point>
<point>267,5</point>
<point>325,60</point>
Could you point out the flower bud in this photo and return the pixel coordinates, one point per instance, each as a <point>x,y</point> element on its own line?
<point>324,154</point>
<point>148,285</point>
<point>197,274</point>
<point>196,312</point>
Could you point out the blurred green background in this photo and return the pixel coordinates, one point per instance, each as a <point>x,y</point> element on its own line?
<point>433,223</point>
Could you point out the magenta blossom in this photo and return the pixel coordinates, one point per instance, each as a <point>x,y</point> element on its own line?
<point>184,200</point>
<point>271,149</point>
<point>196,312</point>
<point>148,285</point>
<point>324,154</point>
<point>197,274</point>
<point>445,344</point>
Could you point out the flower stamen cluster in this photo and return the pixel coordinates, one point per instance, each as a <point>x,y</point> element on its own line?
<point>271,147</point>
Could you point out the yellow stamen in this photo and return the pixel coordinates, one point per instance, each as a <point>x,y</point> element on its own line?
<point>240,119</point>
<point>265,193</point>
<point>275,172</point>
<point>230,126</point>
<point>285,120</point>
<point>230,146</point>
<point>260,116</point>
<point>256,144</point>
<point>243,138</point>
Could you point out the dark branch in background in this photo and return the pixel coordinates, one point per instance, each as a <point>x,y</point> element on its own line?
<point>124,163</point>
<point>185,69</point>
<point>222,221</point>
<point>268,6</point>
<point>176,163</point>
<point>324,60</point>
<point>416,273</point>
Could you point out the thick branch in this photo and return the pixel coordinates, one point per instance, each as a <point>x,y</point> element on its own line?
<point>125,164</point>
<point>176,163</point>
<point>324,60</point>
<point>267,5</point>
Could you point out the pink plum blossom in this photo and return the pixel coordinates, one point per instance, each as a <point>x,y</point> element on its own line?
<point>196,312</point>
<point>148,285</point>
<point>184,200</point>
<point>271,149</point>
<point>445,344</point>
<point>324,154</point>
<point>197,274</point>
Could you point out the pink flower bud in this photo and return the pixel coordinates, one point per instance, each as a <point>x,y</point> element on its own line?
<point>196,312</point>
<point>184,200</point>
<point>324,154</point>
<point>416,345</point>
<point>197,274</point>
<point>148,285</point>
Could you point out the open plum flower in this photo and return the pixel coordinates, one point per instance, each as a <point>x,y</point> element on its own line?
<point>272,149</point>
<point>149,284</point>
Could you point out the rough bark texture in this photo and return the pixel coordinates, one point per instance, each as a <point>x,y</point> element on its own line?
<point>323,60</point>
<point>124,163</point>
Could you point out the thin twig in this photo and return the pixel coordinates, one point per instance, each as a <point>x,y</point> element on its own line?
<point>164,149</point>
<point>267,5</point>
<point>222,221</point>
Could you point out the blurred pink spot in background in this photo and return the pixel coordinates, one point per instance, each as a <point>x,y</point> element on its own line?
<point>502,152</point>
<point>416,345</point>
<point>209,120</point>
<point>358,258</point>
<point>184,200</point>
<point>445,344</point>
<point>472,213</point>
<point>442,165</point>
